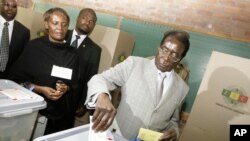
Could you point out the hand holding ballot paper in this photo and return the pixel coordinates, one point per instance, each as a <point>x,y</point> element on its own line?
<point>99,136</point>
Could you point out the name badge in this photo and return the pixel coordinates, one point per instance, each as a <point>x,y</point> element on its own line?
<point>61,72</point>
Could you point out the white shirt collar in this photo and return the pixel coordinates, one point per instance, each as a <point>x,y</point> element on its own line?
<point>80,40</point>
<point>11,26</point>
<point>2,21</point>
<point>81,36</point>
<point>167,73</point>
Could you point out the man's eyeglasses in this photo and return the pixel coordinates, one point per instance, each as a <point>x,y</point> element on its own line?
<point>173,56</point>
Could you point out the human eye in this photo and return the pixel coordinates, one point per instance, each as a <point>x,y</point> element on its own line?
<point>54,22</point>
<point>91,21</point>
<point>65,24</point>
<point>165,50</point>
<point>174,55</point>
<point>84,18</point>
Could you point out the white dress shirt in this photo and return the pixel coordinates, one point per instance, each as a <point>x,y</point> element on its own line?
<point>82,37</point>
<point>165,81</point>
<point>11,25</point>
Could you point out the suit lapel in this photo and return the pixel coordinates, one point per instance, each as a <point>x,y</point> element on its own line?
<point>151,78</point>
<point>13,37</point>
<point>69,36</point>
<point>85,43</point>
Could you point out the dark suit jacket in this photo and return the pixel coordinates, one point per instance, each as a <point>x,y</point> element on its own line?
<point>89,55</point>
<point>19,39</point>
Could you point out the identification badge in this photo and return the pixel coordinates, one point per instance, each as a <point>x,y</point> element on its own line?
<point>61,72</point>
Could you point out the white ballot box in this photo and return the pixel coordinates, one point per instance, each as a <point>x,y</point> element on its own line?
<point>222,100</point>
<point>18,111</point>
<point>79,133</point>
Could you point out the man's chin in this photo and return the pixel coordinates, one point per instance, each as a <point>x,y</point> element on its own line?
<point>164,68</point>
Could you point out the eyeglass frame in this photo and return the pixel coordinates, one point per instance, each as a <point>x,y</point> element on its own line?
<point>164,51</point>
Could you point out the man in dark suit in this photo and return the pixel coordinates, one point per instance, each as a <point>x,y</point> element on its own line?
<point>89,52</point>
<point>18,36</point>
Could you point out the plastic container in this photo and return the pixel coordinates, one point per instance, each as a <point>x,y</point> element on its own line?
<point>74,134</point>
<point>17,117</point>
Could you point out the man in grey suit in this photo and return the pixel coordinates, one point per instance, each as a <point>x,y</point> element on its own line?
<point>144,103</point>
<point>18,37</point>
<point>89,52</point>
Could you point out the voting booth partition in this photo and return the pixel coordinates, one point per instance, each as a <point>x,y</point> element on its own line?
<point>116,45</point>
<point>33,20</point>
<point>222,102</point>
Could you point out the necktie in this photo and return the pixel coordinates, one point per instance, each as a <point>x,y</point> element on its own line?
<point>4,48</point>
<point>160,85</point>
<point>75,42</point>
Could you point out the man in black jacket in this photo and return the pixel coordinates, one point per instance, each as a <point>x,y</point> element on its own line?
<point>18,36</point>
<point>89,52</point>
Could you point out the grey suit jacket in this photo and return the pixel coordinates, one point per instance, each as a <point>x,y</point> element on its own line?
<point>138,108</point>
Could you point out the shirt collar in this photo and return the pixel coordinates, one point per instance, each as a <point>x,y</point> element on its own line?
<point>2,21</point>
<point>167,73</point>
<point>81,36</point>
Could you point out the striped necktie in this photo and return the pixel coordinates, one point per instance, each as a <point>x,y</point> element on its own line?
<point>4,48</point>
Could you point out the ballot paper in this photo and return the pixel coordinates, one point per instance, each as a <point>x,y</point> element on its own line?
<point>99,136</point>
<point>148,135</point>
<point>16,94</point>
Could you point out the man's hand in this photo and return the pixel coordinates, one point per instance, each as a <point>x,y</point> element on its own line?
<point>169,135</point>
<point>104,113</point>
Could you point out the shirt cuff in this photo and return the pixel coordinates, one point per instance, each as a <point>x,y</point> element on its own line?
<point>92,101</point>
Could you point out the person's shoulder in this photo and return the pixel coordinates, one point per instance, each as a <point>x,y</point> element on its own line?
<point>20,25</point>
<point>138,59</point>
<point>37,41</point>
<point>96,46</point>
<point>179,79</point>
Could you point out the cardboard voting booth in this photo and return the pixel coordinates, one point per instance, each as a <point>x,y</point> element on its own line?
<point>116,45</point>
<point>222,99</point>
<point>18,111</point>
<point>33,20</point>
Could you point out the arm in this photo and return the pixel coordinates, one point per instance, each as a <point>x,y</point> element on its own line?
<point>103,83</point>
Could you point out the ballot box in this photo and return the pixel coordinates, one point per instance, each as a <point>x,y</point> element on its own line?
<point>18,111</point>
<point>79,133</point>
